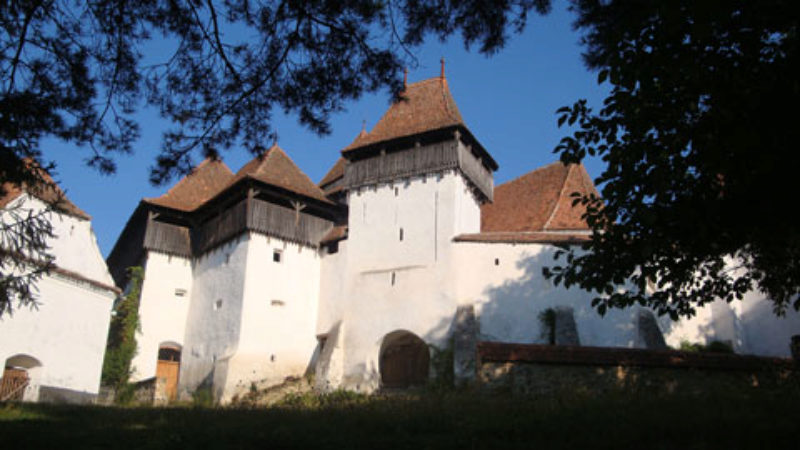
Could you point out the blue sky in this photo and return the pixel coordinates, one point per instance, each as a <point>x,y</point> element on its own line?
<point>508,101</point>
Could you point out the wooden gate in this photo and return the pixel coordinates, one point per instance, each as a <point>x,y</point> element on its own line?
<point>404,362</point>
<point>169,367</point>
<point>13,384</point>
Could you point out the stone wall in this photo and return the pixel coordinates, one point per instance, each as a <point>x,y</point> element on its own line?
<point>528,369</point>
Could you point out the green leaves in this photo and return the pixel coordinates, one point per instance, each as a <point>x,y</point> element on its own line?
<point>698,152</point>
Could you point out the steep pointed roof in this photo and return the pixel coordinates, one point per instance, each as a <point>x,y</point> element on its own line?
<point>539,201</point>
<point>336,172</point>
<point>205,181</point>
<point>426,106</point>
<point>46,190</point>
<point>274,167</point>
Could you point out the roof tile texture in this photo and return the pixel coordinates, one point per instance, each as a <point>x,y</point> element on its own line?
<point>426,105</point>
<point>47,191</point>
<point>336,172</point>
<point>524,237</point>
<point>539,201</point>
<point>274,167</point>
<point>205,181</point>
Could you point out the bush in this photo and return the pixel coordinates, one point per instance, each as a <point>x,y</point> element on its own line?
<point>711,347</point>
<point>121,344</point>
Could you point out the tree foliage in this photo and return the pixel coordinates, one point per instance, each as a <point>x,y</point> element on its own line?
<point>78,71</point>
<point>121,343</point>
<point>700,140</point>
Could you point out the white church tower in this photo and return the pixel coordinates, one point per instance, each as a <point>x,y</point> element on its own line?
<point>412,184</point>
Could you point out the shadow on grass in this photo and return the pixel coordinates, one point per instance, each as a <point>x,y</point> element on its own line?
<point>440,421</point>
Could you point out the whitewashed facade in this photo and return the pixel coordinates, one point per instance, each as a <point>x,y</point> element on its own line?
<point>261,275</point>
<point>59,344</point>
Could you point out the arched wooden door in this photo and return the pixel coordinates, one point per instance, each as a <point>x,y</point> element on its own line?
<point>404,360</point>
<point>169,368</point>
<point>17,377</point>
<point>13,385</point>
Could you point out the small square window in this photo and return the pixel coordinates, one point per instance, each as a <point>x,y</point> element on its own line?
<point>277,255</point>
<point>218,305</point>
<point>497,261</point>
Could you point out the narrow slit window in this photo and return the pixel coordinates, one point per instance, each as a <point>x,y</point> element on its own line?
<point>401,234</point>
<point>277,303</point>
<point>277,256</point>
<point>497,261</point>
<point>393,278</point>
<point>218,305</point>
<point>180,292</point>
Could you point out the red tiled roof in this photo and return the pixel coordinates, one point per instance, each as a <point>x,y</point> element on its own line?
<point>539,201</point>
<point>336,172</point>
<point>427,106</point>
<point>525,237</point>
<point>205,181</point>
<point>47,191</point>
<point>274,167</point>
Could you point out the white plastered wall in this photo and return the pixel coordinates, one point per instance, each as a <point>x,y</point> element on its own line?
<point>506,284</point>
<point>73,245</point>
<point>163,309</point>
<point>67,332</point>
<point>392,284</point>
<point>279,315</point>
<point>214,317</point>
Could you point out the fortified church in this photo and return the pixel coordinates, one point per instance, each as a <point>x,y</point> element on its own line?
<point>255,276</point>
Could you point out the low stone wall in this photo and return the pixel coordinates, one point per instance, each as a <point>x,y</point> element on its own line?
<point>152,391</point>
<point>50,394</point>
<point>528,369</point>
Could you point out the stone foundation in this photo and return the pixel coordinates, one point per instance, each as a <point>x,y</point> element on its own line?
<point>540,369</point>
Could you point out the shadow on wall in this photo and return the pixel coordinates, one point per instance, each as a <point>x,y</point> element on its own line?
<point>764,333</point>
<point>510,312</point>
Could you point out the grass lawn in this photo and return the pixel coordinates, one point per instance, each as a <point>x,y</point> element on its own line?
<point>345,421</point>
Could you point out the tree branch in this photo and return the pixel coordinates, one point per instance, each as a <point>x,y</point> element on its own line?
<point>21,45</point>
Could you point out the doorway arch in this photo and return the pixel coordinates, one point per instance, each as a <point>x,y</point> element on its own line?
<point>404,360</point>
<point>20,378</point>
<point>168,368</point>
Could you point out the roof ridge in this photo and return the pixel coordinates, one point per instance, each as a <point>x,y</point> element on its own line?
<point>286,175</point>
<point>45,189</point>
<point>175,198</point>
<point>538,169</point>
<point>186,177</point>
<point>558,198</point>
<point>424,106</point>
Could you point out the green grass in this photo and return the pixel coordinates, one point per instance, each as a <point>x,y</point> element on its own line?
<point>348,421</point>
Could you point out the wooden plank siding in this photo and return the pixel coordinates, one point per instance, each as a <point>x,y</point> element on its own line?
<point>167,238</point>
<point>128,250</point>
<point>475,171</point>
<point>420,160</point>
<point>261,217</point>
<point>220,228</point>
<point>287,223</point>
